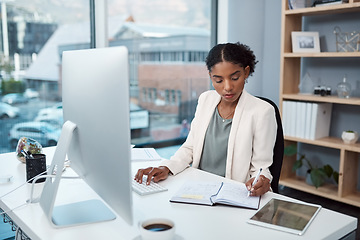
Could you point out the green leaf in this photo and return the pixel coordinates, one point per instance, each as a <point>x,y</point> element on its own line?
<point>317,177</point>
<point>290,150</point>
<point>297,165</point>
<point>328,170</point>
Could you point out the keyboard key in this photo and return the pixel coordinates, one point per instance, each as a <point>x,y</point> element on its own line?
<point>143,189</point>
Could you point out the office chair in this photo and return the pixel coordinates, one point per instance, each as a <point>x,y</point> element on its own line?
<point>275,168</point>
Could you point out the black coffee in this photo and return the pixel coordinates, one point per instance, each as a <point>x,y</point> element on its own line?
<point>157,227</point>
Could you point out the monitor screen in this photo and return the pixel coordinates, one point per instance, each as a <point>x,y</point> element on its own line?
<point>95,91</point>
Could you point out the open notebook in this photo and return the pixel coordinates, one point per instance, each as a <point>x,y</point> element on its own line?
<point>211,193</point>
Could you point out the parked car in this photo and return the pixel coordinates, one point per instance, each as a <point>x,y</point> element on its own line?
<point>45,133</point>
<point>14,98</point>
<point>56,121</point>
<point>8,111</point>
<point>31,93</point>
<point>56,110</point>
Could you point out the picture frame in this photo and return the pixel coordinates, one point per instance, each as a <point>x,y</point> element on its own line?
<point>305,42</point>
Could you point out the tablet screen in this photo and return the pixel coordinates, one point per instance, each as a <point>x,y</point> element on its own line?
<point>286,215</point>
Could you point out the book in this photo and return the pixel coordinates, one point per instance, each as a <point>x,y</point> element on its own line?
<point>326,2</point>
<point>309,106</point>
<point>295,4</point>
<point>211,193</point>
<point>286,117</point>
<point>320,120</point>
<point>285,215</point>
<point>144,154</point>
<point>300,119</point>
<point>292,114</point>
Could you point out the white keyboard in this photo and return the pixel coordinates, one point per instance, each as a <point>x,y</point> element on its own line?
<point>143,189</point>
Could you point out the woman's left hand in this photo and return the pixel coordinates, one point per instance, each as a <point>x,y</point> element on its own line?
<point>261,187</point>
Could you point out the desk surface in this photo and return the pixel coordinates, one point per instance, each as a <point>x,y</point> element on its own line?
<point>192,221</point>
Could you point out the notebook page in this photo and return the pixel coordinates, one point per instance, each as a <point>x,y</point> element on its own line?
<point>236,194</point>
<point>144,154</point>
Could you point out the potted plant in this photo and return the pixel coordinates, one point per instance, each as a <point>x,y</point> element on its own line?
<point>349,136</point>
<point>316,175</point>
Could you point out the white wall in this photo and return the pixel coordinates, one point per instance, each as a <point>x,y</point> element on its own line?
<point>255,23</point>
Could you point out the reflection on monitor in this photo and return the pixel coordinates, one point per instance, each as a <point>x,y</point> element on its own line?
<point>95,136</point>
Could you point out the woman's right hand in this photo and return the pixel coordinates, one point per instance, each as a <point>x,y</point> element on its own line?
<point>155,173</point>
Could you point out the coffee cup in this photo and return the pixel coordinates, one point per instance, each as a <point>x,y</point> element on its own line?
<point>157,228</point>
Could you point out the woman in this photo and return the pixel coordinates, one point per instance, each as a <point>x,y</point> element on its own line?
<point>233,133</point>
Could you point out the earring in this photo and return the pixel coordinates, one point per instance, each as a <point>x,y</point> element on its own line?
<point>246,81</point>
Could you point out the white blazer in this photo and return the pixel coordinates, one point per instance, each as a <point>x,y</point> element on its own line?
<point>251,140</point>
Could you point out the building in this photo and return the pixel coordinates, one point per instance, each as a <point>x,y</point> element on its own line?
<point>148,44</point>
<point>166,64</point>
<point>27,34</point>
<point>153,50</point>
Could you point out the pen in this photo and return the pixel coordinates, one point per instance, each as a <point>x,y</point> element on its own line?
<point>255,180</point>
<point>27,154</point>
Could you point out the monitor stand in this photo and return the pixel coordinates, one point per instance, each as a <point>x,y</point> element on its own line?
<point>77,213</point>
<point>84,212</point>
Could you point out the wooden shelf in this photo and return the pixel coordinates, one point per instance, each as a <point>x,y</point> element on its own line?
<point>299,183</point>
<point>327,190</point>
<point>290,70</point>
<point>323,55</point>
<point>330,142</point>
<point>326,99</point>
<point>325,10</point>
<point>352,199</point>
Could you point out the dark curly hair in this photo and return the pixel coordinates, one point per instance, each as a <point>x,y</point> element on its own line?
<point>236,53</point>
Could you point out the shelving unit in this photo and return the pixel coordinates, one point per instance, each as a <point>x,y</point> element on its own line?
<point>346,191</point>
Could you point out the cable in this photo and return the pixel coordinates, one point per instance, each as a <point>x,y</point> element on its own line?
<point>34,180</point>
<point>36,177</point>
<point>31,199</point>
<point>32,189</point>
<point>66,164</point>
<point>35,200</point>
<point>22,185</point>
<point>4,212</point>
<point>10,210</point>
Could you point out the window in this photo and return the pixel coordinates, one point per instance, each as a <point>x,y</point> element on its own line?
<point>30,62</point>
<point>171,43</point>
<point>178,96</point>
<point>173,96</point>
<point>154,96</point>
<point>167,46</point>
<point>167,96</point>
<point>149,95</point>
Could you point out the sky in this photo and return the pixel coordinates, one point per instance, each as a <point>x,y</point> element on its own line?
<point>192,13</point>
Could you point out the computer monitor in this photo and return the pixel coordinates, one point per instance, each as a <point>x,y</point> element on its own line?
<point>95,136</point>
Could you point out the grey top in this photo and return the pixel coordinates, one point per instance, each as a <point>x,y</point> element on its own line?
<point>213,158</point>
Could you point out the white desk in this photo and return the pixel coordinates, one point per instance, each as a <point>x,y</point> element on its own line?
<point>192,221</point>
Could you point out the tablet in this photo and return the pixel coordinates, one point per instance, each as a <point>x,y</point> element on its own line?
<point>287,216</point>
